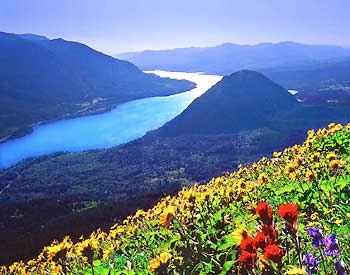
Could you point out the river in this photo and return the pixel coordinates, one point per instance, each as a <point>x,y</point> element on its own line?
<point>125,123</point>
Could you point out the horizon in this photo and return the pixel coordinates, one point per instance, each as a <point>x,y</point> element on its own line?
<point>156,25</point>
<point>174,48</point>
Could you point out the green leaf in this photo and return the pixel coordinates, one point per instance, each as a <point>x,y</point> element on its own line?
<point>228,242</point>
<point>227,267</point>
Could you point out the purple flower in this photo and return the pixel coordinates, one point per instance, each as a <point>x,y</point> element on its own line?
<point>311,259</point>
<point>331,244</point>
<point>311,262</point>
<point>317,236</point>
<point>339,267</point>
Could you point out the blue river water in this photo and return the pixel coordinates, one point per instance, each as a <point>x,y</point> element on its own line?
<point>125,123</point>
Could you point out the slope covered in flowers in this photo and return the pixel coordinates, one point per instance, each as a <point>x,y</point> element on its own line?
<point>285,215</point>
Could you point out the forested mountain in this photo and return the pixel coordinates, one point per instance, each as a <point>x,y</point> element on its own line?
<point>42,79</point>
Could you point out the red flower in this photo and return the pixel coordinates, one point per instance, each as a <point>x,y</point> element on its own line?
<point>288,212</point>
<point>270,232</point>
<point>261,240</point>
<point>247,258</point>
<point>273,253</point>
<point>248,244</point>
<point>264,212</point>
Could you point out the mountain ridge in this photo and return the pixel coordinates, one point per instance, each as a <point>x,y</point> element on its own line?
<point>45,80</point>
<point>214,59</point>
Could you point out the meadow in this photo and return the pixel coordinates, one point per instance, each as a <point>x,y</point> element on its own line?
<point>285,215</point>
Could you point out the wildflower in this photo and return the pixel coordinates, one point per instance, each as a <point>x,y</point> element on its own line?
<point>331,156</point>
<point>167,216</point>
<point>339,267</point>
<point>262,178</point>
<point>164,257</point>
<point>261,240</point>
<point>338,221</point>
<point>314,216</point>
<point>312,263</point>
<point>160,262</point>
<point>273,253</point>
<point>290,168</point>
<point>315,156</point>
<point>56,269</point>
<point>248,244</point>
<point>239,234</point>
<point>331,244</point>
<point>270,232</point>
<point>229,192</point>
<point>311,133</point>
<point>247,258</point>
<point>154,264</point>
<point>289,212</point>
<point>336,163</point>
<point>309,175</point>
<point>295,271</point>
<point>317,236</point>
<point>264,212</point>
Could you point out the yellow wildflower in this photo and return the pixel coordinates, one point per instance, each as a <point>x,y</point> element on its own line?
<point>336,163</point>
<point>262,178</point>
<point>290,168</point>
<point>167,216</point>
<point>239,234</point>
<point>315,156</point>
<point>154,264</point>
<point>331,156</point>
<point>165,257</point>
<point>295,271</point>
<point>314,216</point>
<point>309,175</point>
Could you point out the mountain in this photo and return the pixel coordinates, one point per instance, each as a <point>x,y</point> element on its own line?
<point>242,118</point>
<point>31,36</point>
<point>42,79</point>
<point>320,82</point>
<point>241,101</point>
<point>228,58</point>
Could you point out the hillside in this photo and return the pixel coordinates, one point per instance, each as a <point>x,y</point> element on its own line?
<point>263,218</point>
<point>241,101</point>
<point>228,58</point>
<point>81,186</point>
<point>43,80</point>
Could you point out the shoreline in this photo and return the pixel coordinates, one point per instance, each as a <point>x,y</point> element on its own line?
<point>100,107</point>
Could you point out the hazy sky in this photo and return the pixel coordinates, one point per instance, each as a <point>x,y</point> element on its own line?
<point>115,26</point>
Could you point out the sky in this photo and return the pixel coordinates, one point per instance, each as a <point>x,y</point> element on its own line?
<point>115,26</point>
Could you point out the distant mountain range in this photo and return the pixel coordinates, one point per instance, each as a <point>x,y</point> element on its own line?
<point>241,118</point>
<point>228,58</point>
<point>43,79</point>
<point>320,73</point>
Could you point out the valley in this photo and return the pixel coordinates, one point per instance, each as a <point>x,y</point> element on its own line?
<point>126,122</point>
<point>44,80</point>
<point>219,130</point>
